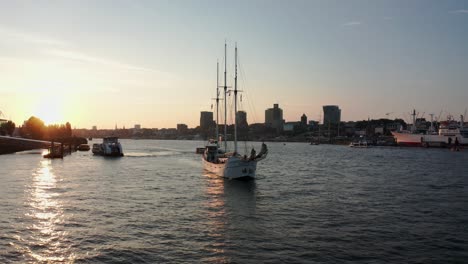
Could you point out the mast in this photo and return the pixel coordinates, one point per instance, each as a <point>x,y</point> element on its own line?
<point>235,102</point>
<point>432,123</point>
<point>413,127</point>
<point>225,99</point>
<point>217,104</point>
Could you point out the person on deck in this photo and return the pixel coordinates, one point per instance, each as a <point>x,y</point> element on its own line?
<point>252,154</point>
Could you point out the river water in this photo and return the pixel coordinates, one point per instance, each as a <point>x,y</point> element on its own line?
<point>310,204</point>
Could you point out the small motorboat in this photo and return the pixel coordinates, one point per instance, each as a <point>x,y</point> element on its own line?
<point>83,147</point>
<point>359,144</point>
<point>55,152</point>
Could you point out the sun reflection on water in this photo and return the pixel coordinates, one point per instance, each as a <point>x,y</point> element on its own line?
<point>231,210</point>
<point>216,215</point>
<point>44,241</point>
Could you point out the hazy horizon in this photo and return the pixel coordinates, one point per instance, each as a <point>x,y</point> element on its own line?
<point>154,62</point>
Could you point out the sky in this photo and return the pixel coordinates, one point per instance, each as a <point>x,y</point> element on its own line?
<point>153,63</point>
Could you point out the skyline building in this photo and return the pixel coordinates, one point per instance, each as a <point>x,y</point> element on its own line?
<point>206,120</point>
<point>304,120</point>
<point>182,128</point>
<point>241,117</point>
<point>274,117</point>
<point>331,114</point>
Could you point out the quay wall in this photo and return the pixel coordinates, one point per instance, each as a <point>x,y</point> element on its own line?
<point>10,145</point>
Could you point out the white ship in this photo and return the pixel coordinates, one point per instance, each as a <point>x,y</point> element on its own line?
<point>110,147</point>
<point>230,165</point>
<point>450,133</point>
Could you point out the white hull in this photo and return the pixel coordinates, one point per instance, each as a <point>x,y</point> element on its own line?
<point>421,139</point>
<point>233,168</point>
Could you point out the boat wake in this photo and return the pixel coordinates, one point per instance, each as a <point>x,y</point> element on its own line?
<point>152,154</point>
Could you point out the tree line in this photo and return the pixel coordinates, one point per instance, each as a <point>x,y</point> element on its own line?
<point>34,128</point>
<point>7,128</point>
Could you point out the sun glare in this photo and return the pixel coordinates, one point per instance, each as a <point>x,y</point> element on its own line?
<point>50,110</point>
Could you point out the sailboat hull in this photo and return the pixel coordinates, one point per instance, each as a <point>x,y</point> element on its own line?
<point>233,168</point>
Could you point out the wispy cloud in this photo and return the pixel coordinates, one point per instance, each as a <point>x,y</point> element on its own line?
<point>459,11</point>
<point>78,56</point>
<point>29,37</point>
<point>352,23</point>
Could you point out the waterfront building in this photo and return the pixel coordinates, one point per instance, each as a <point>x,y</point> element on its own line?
<point>313,124</point>
<point>137,127</point>
<point>304,120</point>
<point>331,114</point>
<point>292,126</point>
<point>274,117</point>
<point>182,128</point>
<point>241,117</point>
<point>206,120</point>
<point>94,128</point>
<point>395,126</point>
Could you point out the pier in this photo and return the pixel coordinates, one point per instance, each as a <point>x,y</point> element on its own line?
<point>10,145</point>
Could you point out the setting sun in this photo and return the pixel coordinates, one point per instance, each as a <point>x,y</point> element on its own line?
<point>50,110</point>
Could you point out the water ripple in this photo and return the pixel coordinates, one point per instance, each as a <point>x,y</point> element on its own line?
<point>309,204</point>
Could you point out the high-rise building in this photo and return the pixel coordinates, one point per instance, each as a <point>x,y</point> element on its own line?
<point>242,119</point>
<point>304,120</point>
<point>331,114</point>
<point>137,127</point>
<point>182,128</point>
<point>206,120</point>
<point>274,117</point>
<point>94,128</point>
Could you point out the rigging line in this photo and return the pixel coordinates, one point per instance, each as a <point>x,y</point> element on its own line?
<point>230,102</point>
<point>246,93</point>
<point>251,105</point>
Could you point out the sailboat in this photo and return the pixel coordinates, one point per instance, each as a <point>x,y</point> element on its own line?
<point>230,165</point>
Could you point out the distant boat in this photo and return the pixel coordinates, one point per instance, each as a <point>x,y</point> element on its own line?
<point>359,144</point>
<point>450,133</point>
<point>110,147</point>
<point>55,152</point>
<point>83,147</point>
<point>230,165</point>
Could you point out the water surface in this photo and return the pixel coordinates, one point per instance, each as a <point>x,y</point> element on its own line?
<point>309,204</point>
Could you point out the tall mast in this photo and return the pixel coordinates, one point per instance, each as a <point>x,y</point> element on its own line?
<point>235,102</point>
<point>217,103</point>
<point>225,99</point>
<point>432,123</point>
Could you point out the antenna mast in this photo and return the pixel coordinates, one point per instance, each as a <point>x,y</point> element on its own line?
<point>235,103</point>
<point>225,99</point>
<point>413,128</point>
<point>217,104</point>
